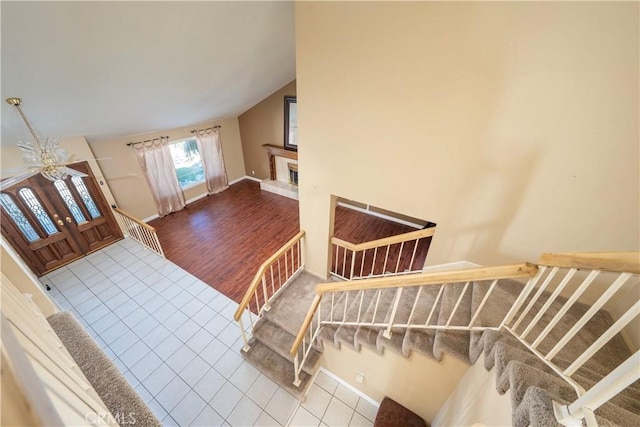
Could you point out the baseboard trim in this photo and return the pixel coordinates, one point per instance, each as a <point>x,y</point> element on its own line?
<point>235,181</point>
<point>252,178</point>
<point>194,199</point>
<point>151,218</point>
<point>380,215</point>
<point>349,386</point>
<point>201,196</point>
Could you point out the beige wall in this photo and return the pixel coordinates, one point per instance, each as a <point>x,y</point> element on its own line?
<point>263,124</point>
<point>399,377</point>
<point>513,126</point>
<point>125,178</point>
<point>476,402</point>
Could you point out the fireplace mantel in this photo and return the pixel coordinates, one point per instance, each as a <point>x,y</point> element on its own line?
<point>278,157</point>
<point>279,151</point>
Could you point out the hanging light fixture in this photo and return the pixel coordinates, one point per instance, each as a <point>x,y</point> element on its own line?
<point>48,158</point>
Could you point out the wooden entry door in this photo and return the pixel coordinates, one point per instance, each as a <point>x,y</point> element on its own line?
<point>53,223</point>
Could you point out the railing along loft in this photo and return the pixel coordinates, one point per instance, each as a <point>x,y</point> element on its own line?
<point>139,231</point>
<point>400,253</point>
<point>547,284</point>
<point>275,273</point>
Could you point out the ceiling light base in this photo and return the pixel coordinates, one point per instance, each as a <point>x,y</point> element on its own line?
<point>14,101</point>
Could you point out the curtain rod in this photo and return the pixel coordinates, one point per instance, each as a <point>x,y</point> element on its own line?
<point>202,130</point>
<point>129,144</point>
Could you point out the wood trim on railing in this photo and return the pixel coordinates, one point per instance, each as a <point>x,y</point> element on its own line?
<point>305,324</point>
<point>440,277</point>
<point>604,261</point>
<point>257,279</point>
<point>134,219</point>
<point>399,238</point>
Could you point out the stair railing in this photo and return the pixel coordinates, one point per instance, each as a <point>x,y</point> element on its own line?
<point>272,276</point>
<point>329,310</point>
<point>395,254</point>
<point>139,231</point>
<point>566,278</point>
<point>530,319</point>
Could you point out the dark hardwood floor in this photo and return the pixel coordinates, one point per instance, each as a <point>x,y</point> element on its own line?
<point>224,238</point>
<point>357,227</point>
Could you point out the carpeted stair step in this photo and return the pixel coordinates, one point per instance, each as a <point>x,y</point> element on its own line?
<point>519,376</point>
<point>289,309</point>
<point>358,304</point>
<point>328,332</point>
<point>536,410</point>
<point>456,343</point>
<point>378,308</point>
<point>421,340</point>
<point>276,367</point>
<point>403,311</point>
<point>518,370</point>
<point>614,353</point>
<point>280,341</point>
<point>500,348</point>
<point>507,357</point>
<point>494,311</point>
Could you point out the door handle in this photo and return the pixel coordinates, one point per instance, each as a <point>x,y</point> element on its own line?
<point>68,220</point>
<point>60,223</point>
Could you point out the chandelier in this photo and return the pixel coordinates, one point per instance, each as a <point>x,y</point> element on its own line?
<point>48,158</point>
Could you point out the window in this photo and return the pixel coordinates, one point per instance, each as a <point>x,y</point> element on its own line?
<point>186,159</point>
<point>18,217</point>
<point>70,201</point>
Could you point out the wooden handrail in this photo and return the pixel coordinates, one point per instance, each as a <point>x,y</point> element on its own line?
<point>439,277</point>
<point>604,261</point>
<point>399,238</point>
<point>305,324</point>
<point>257,279</point>
<point>134,219</point>
<point>418,279</point>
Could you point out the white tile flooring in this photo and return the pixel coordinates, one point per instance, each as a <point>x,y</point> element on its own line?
<point>175,341</point>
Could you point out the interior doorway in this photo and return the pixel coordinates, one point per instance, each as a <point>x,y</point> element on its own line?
<point>53,223</point>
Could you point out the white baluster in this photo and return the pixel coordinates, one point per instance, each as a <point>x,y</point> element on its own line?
<point>387,332</point>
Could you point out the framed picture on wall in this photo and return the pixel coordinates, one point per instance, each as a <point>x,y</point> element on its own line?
<point>290,123</point>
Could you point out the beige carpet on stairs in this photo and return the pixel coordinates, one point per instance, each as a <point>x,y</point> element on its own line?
<point>532,384</point>
<point>275,333</point>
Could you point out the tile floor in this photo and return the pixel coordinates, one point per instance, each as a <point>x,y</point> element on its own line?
<point>174,339</point>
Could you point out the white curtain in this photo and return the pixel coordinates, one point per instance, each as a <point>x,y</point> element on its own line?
<point>157,164</point>
<point>211,153</point>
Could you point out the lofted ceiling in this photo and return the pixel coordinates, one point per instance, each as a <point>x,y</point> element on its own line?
<point>109,69</point>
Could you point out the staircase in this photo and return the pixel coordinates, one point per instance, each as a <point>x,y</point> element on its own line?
<point>433,320</point>
<point>275,333</point>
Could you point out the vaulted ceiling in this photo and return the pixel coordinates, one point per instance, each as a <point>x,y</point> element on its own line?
<point>108,69</point>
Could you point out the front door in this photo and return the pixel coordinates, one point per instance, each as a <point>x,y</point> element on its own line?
<point>53,223</point>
